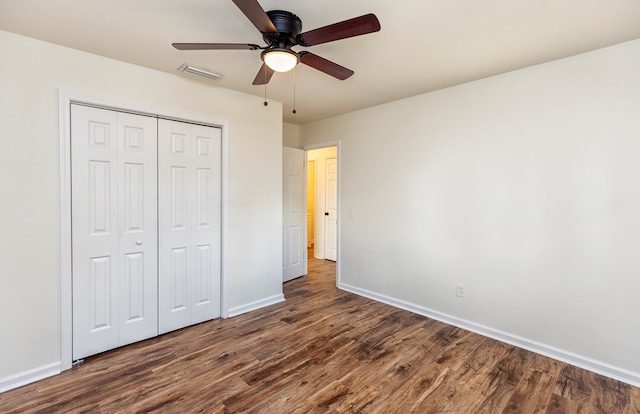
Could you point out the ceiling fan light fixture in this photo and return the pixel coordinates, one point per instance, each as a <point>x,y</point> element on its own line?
<point>280,60</point>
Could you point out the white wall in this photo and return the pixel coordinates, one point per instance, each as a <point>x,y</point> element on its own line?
<point>524,187</point>
<point>290,135</point>
<point>31,75</point>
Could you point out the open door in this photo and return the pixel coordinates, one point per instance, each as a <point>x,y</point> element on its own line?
<point>294,214</point>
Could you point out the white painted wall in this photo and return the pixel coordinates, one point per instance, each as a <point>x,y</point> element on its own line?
<point>525,187</point>
<point>31,75</point>
<point>290,135</point>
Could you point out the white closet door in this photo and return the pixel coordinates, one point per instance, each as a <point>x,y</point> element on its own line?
<point>114,208</point>
<point>206,232</point>
<point>138,212</point>
<point>189,224</point>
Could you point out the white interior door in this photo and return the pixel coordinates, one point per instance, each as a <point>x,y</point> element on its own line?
<point>188,224</point>
<point>293,214</point>
<point>331,210</point>
<point>114,238</point>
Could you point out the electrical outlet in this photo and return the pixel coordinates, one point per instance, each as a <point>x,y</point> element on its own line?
<point>460,290</point>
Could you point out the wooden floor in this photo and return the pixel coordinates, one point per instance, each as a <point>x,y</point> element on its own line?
<point>323,351</point>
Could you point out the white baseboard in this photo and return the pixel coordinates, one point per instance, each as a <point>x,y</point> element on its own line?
<point>620,374</point>
<point>239,310</point>
<point>27,377</point>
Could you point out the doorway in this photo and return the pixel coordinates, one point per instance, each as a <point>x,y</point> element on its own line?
<point>310,208</point>
<point>322,202</point>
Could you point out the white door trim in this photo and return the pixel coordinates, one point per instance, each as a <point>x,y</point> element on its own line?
<point>338,145</point>
<point>65,98</point>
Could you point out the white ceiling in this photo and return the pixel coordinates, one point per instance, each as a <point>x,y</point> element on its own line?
<point>424,45</point>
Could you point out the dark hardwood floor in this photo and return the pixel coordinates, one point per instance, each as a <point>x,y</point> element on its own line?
<point>323,351</point>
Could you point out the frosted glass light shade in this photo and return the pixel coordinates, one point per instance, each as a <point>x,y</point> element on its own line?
<point>280,60</point>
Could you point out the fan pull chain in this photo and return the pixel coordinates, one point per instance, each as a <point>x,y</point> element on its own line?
<point>294,91</point>
<point>265,85</point>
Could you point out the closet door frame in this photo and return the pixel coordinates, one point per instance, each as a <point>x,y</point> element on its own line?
<point>65,99</point>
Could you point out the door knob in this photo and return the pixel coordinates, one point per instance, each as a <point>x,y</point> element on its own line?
<point>139,242</point>
<point>326,213</point>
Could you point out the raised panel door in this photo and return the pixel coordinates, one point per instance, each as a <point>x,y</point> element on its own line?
<point>137,247</point>
<point>189,224</point>
<point>331,210</point>
<point>174,225</point>
<point>114,238</point>
<point>294,214</point>
<point>206,222</point>
<point>94,205</point>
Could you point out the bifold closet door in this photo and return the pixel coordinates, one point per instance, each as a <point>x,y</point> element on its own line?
<point>114,229</point>
<point>189,158</point>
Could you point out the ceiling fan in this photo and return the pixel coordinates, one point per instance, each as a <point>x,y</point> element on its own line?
<point>281,30</point>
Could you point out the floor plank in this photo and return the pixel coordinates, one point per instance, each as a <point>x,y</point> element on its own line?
<point>323,351</point>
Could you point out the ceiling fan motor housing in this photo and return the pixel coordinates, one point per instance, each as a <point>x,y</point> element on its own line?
<point>288,25</point>
<point>281,30</point>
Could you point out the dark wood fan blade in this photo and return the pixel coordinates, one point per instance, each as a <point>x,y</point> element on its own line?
<point>256,14</point>
<point>264,75</point>
<point>324,65</point>
<point>214,46</point>
<point>349,28</point>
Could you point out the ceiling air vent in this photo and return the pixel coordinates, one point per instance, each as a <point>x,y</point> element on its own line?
<point>203,73</point>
